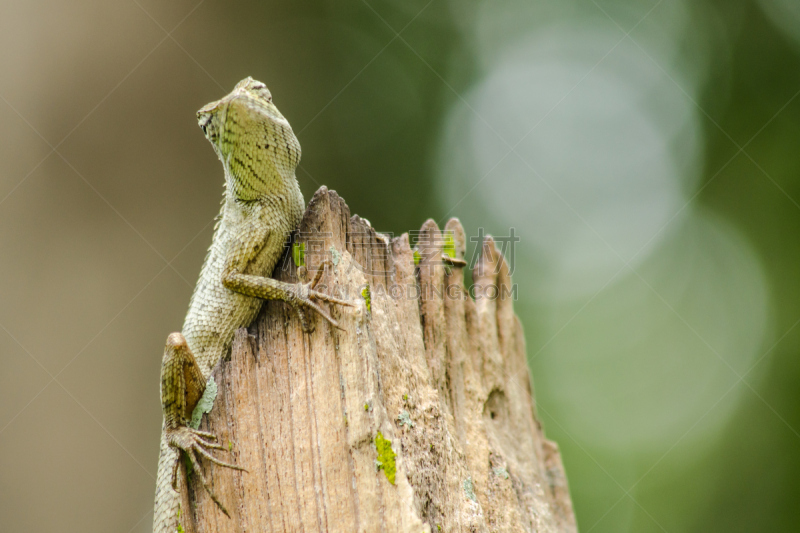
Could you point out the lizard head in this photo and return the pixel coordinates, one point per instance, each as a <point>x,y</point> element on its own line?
<point>253,140</point>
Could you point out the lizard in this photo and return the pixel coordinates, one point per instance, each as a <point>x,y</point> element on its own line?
<point>261,206</point>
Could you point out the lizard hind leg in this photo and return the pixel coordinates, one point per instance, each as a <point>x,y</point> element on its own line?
<point>182,386</point>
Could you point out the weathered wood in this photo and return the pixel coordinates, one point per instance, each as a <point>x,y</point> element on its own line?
<point>441,377</point>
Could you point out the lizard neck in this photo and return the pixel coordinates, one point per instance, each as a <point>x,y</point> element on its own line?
<point>260,187</point>
<point>245,183</point>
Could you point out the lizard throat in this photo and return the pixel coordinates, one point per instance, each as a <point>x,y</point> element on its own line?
<point>246,184</point>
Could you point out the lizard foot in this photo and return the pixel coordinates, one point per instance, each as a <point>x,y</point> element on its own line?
<point>305,294</point>
<point>193,442</point>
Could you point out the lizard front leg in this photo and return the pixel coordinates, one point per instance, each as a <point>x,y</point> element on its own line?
<point>182,386</point>
<point>298,295</point>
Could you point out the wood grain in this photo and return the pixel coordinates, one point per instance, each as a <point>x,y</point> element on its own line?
<point>441,376</point>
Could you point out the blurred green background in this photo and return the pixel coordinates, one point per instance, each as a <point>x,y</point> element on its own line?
<point>644,152</point>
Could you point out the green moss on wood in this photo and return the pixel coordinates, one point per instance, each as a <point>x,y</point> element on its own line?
<point>367,297</point>
<point>500,472</point>
<point>404,418</point>
<point>449,245</point>
<point>299,253</point>
<point>386,457</point>
<point>469,489</point>
<point>335,256</point>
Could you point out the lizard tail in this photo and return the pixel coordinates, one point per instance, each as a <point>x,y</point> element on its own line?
<point>167,506</point>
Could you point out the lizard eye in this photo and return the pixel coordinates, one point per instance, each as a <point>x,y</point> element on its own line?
<point>208,128</point>
<point>204,122</point>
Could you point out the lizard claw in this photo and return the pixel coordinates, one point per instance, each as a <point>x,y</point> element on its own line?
<point>321,295</point>
<point>306,295</point>
<point>193,442</point>
<point>453,261</point>
<point>306,301</point>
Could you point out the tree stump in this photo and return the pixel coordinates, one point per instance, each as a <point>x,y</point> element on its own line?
<point>416,416</point>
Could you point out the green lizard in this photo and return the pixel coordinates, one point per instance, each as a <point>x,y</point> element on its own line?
<point>261,206</point>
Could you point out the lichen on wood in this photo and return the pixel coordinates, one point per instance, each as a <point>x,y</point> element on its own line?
<point>417,415</point>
